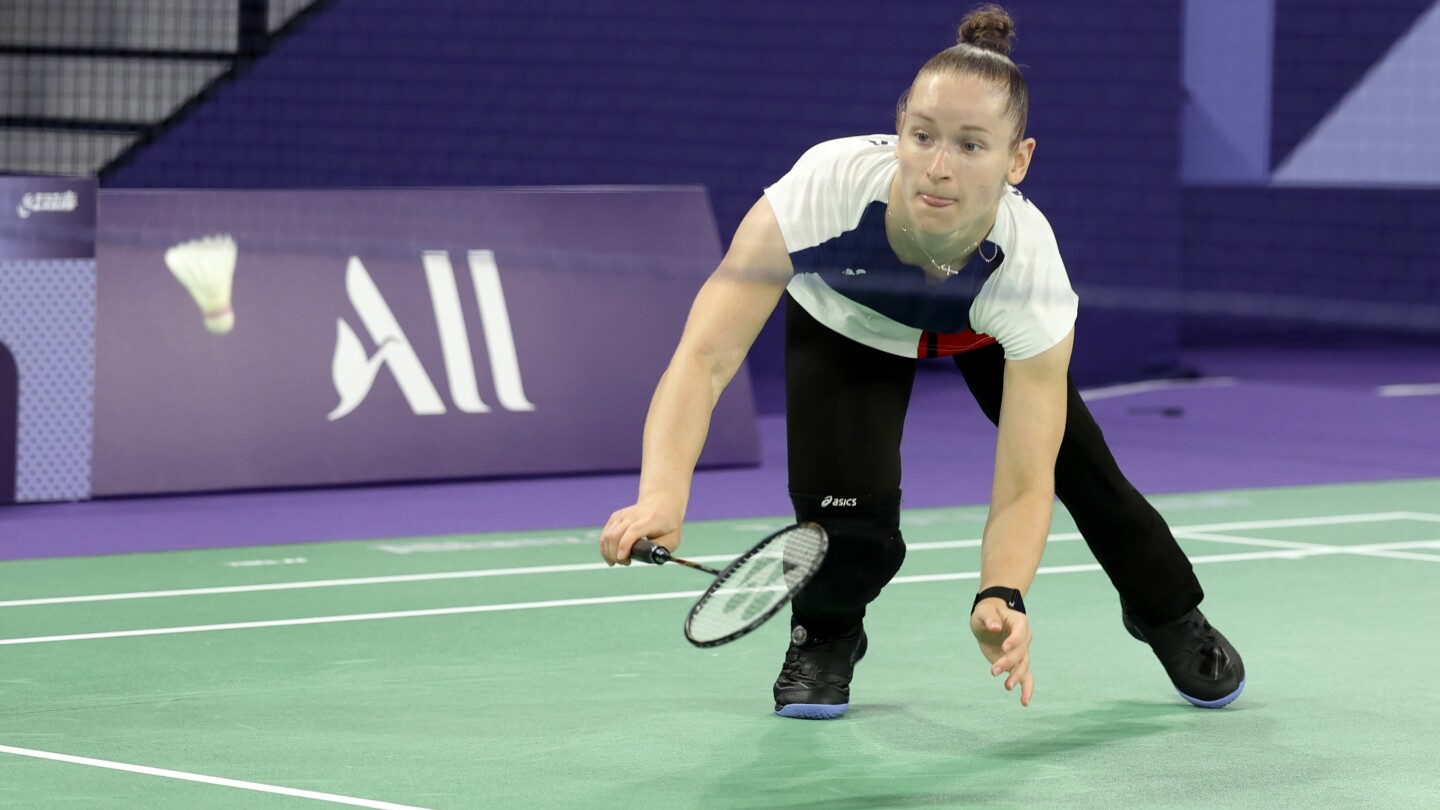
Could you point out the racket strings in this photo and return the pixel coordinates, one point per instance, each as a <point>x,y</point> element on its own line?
<point>753,588</point>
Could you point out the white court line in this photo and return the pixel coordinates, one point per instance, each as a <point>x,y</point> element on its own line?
<point>1293,523</point>
<point>208,780</point>
<point>1369,550</point>
<point>358,617</point>
<point>386,580</point>
<point>553,569</point>
<point>1279,554</point>
<point>1287,554</point>
<point>1423,390</point>
<point>1111,391</point>
<point>318,583</point>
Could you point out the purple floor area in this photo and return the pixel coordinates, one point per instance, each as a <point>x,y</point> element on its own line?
<point>1259,418</point>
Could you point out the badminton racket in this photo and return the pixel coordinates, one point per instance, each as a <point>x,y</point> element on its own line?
<point>748,591</point>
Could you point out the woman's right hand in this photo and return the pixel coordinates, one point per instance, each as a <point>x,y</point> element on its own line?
<point>659,522</point>
<point>729,311</point>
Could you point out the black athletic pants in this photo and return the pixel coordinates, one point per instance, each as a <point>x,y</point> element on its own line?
<point>845,410</point>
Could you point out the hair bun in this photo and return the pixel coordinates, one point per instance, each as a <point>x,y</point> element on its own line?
<point>988,27</point>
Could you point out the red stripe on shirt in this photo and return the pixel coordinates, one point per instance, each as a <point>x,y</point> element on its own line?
<point>945,345</point>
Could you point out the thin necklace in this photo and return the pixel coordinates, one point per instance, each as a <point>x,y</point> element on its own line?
<point>944,268</point>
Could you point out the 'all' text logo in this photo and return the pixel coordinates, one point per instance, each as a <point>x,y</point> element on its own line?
<point>354,371</point>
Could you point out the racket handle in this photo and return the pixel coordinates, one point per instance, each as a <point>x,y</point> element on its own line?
<point>646,550</point>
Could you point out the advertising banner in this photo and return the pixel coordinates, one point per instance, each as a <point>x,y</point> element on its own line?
<point>47,328</point>
<point>47,218</point>
<point>288,338</point>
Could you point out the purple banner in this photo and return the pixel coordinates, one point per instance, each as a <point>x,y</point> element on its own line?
<point>289,338</point>
<point>47,218</point>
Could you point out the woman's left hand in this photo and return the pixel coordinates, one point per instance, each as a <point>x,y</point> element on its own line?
<point>1004,637</point>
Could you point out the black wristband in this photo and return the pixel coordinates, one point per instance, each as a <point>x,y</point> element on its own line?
<point>1010,595</point>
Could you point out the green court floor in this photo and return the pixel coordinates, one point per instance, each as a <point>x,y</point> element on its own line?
<point>517,671</point>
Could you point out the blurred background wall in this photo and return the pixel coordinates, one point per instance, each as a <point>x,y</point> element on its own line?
<point>1217,171</point>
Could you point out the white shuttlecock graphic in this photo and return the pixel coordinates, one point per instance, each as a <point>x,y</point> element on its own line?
<point>207,269</point>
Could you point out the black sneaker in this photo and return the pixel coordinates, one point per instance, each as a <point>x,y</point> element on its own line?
<point>814,683</point>
<point>1205,668</point>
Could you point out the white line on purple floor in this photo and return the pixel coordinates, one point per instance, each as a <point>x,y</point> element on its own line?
<point>1111,391</point>
<point>1428,390</point>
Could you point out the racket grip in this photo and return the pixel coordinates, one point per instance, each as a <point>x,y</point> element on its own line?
<point>646,550</point>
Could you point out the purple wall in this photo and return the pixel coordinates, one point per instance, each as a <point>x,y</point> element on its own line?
<point>1338,266</point>
<point>1316,261</point>
<point>1322,48</point>
<point>459,92</point>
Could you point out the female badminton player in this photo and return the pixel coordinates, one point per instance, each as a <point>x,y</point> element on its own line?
<point>894,248</point>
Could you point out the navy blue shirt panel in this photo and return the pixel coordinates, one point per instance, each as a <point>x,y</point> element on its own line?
<point>860,265</point>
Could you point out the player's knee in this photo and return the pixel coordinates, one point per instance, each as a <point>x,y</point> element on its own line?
<point>865,550</point>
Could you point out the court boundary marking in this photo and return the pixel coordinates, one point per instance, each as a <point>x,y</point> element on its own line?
<point>1185,532</point>
<point>1146,386</point>
<point>1273,549</point>
<point>1368,550</point>
<point>357,617</point>
<point>221,781</point>
<point>1287,553</point>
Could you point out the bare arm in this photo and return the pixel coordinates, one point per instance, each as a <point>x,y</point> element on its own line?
<point>1032,423</point>
<point>727,314</point>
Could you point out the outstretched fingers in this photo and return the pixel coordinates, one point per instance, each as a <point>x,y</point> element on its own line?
<point>1020,676</point>
<point>1013,655</point>
<point>1014,649</point>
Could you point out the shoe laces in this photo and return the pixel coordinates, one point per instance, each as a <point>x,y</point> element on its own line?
<point>793,667</point>
<point>1201,629</point>
<point>801,660</point>
<point>1205,641</point>
<point>795,657</point>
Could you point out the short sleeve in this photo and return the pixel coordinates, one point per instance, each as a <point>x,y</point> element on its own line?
<point>1027,304</point>
<point>826,191</point>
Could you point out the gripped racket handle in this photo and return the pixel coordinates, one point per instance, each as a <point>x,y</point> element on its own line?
<point>646,550</point>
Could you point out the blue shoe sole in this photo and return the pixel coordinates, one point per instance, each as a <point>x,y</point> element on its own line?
<point>813,711</point>
<point>1215,704</point>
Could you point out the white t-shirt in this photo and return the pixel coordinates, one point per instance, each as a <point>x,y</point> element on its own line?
<point>831,209</point>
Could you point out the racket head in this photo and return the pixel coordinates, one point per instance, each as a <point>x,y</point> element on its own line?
<point>754,587</point>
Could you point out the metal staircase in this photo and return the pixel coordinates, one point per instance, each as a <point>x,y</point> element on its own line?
<point>83,83</point>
